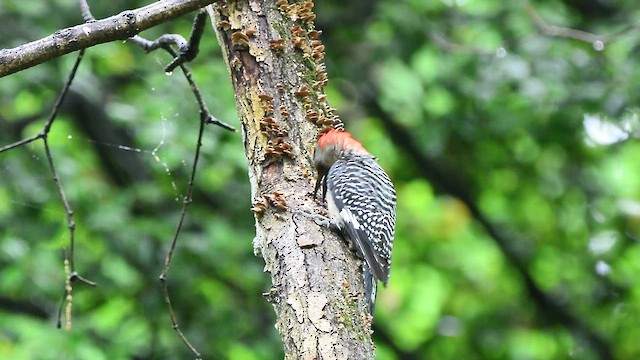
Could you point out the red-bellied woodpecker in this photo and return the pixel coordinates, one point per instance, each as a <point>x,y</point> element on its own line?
<point>361,201</point>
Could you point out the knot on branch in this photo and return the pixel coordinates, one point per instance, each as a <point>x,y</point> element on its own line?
<point>128,20</point>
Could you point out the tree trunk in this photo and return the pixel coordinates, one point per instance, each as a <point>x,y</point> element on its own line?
<point>275,63</point>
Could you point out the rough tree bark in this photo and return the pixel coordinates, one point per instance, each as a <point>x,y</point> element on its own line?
<point>275,62</point>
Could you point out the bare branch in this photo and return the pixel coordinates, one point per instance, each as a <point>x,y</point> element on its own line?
<point>20,143</point>
<point>450,46</point>
<point>558,31</point>
<point>118,27</point>
<point>187,51</point>
<point>72,274</point>
<point>598,41</point>
<point>188,199</point>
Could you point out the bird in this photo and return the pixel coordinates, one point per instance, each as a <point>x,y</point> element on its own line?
<point>361,203</point>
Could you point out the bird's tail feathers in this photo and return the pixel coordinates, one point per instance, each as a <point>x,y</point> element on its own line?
<point>370,288</point>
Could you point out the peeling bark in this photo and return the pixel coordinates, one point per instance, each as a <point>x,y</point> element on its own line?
<point>275,63</point>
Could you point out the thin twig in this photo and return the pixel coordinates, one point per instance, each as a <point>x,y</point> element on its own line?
<point>210,119</point>
<point>190,52</point>
<point>186,52</point>
<point>449,46</point>
<point>160,42</point>
<point>44,135</point>
<point>73,275</point>
<point>598,41</point>
<point>558,31</point>
<point>20,143</point>
<point>62,302</point>
<point>185,205</point>
<point>71,225</point>
<point>86,11</point>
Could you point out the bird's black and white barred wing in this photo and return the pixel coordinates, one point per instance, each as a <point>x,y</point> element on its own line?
<point>363,201</point>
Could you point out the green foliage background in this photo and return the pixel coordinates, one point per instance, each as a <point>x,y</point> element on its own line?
<point>540,134</point>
